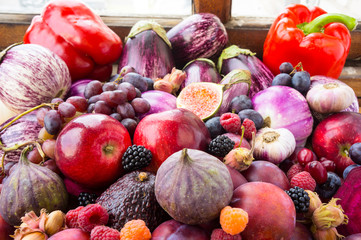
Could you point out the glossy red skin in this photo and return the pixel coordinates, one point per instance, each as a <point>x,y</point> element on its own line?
<point>305,156</point>
<point>71,234</point>
<point>170,131</point>
<point>264,171</point>
<point>271,212</point>
<point>333,137</point>
<point>174,230</point>
<point>80,154</point>
<point>5,230</point>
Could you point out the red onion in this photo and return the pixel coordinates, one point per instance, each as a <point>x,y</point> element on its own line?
<point>77,88</point>
<point>285,107</point>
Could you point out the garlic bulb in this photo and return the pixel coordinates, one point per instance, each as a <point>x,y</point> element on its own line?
<point>274,145</point>
<point>330,97</point>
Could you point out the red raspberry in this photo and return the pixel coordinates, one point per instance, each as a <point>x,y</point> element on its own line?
<point>303,180</point>
<point>219,234</point>
<point>71,217</point>
<point>294,169</point>
<point>231,122</point>
<point>92,215</point>
<point>104,233</point>
<point>249,128</point>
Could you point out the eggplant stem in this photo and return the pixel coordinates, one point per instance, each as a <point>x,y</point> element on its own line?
<point>52,105</point>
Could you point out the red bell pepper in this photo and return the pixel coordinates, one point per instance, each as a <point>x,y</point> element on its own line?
<point>321,41</point>
<point>79,36</point>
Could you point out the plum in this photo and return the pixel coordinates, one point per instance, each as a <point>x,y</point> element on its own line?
<point>237,178</point>
<point>71,234</point>
<point>271,212</point>
<point>174,230</point>
<point>264,171</point>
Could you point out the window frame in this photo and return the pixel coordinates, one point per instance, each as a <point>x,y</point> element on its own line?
<point>240,31</point>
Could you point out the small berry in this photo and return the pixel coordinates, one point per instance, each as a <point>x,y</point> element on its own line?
<point>305,156</point>
<point>300,198</point>
<point>135,230</point>
<point>294,169</point>
<point>303,180</point>
<point>71,217</point>
<point>231,122</point>
<point>85,198</point>
<point>92,215</point>
<point>136,157</point>
<point>220,146</point>
<point>233,220</point>
<point>249,128</point>
<point>219,234</point>
<point>104,233</point>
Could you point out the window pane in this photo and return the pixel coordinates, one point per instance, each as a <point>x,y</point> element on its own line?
<point>271,8</point>
<point>109,7</point>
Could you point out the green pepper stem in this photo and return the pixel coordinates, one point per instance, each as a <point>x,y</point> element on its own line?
<point>318,23</point>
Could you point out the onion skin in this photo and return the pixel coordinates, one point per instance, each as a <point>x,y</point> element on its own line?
<point>285,107</point>
<point>159,101</point>
<point>77,88</point>
<point>30,75</point>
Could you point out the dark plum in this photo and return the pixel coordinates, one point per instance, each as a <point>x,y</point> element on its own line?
<point>301,81</point>
<point>214,127</point>
<point>348,170</point>
<point>240,103</point>
<point>282,79</point>
<point>253,115</point>
<point>330,187</point>
<point>136,80</point>
<point>355,152</point>
<point>286,67</point>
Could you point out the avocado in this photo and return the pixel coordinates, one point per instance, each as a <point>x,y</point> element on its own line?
<point>132,197</point>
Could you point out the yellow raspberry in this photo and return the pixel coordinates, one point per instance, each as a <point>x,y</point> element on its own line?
<point>135,230</point>
<point>233,220</point>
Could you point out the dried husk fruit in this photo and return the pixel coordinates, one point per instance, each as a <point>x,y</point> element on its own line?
<point>31,187</point>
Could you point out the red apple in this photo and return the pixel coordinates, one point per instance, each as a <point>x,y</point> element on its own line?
<point>89,150</point>
<point>170,131</point>
<point>333,137</point>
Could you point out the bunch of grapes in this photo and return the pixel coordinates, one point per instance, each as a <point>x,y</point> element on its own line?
<point>290,76</point>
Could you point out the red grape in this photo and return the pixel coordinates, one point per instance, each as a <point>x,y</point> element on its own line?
<point>66,110</point>
<point>109,86</point>
<point>329,165</point>
<point>52,122</point>
<point>102,107</point>
<point>48,147</point>
<point>126,110</point>
<point>129,89</point>
<point>130,124</point>
<point>40,114</point>
<point>93,88</point>
<point>140,105</point>
<point>78,102</point>
<point>34,156</point>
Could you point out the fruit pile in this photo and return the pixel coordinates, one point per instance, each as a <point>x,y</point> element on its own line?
<point>173,146</point>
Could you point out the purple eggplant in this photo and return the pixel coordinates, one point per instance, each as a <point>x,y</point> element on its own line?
<point>148,50</point>
<point>198,36</point>
<point>201,70</point>
<point>234,57</point>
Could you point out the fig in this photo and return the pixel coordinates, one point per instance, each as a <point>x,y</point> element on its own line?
<point>193,186</point>
<point>31,187</point>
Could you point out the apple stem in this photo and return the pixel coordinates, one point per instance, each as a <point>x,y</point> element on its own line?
<point>108,149</point>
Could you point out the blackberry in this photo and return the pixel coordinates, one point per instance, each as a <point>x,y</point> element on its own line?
<point>220,146</point>
<point>85,198</point>
<point>136,157</point>
<point>300,198</point>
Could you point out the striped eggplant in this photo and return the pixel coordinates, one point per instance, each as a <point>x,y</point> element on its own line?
<point>234,57</point>
<point>148,50</point>
<point>25,129</point>
<point>201,70</point>
<point>198,36</point>
<point>30,75</point>
<point>31,187</point>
